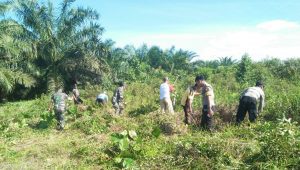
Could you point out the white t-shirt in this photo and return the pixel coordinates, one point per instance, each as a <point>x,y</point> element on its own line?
<point>164,91</point>
<point>255,92</point>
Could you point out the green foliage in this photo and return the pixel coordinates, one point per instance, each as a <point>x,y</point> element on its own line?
<point>47,120</point>
<point>91,125</point>
<point>62,46</point>
<point>244,68</point>
<point>47,48</point>
<point>279,146</point>
<point>125,150</point>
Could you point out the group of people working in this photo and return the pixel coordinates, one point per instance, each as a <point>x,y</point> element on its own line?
<point>58,102</point>
<point>248,101</point>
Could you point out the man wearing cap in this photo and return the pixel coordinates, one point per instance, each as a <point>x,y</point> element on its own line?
<point>165,99</point>
<point>248,102</point>
<point>207,102</point>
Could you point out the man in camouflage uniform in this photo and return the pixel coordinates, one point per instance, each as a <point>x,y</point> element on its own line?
<point>207,102</point>
<point>118,99</point>
<point>58,100</point>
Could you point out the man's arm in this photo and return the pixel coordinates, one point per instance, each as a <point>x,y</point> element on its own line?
<point>191,109</point>
<point>50,105</point>
<point>261,103</point>
<point>210,111</point>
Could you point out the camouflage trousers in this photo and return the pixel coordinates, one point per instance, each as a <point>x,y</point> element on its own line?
<point>119,107</point>
<point>59,115</point>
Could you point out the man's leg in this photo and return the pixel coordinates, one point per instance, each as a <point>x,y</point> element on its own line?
<point>204,117</point>
<point>79,100</point>
<point>170,106</point>
<point>117,109</point>
<point>185,114</point>
<point>162,106</point>
<point>60,119</point>
<point>241,113</point>
<point>210,120</point>
<point>121,107</point>
<point>206,120</point>
<point>252,111</point>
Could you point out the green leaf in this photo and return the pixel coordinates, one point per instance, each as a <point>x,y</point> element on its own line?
<point>156,132</point>
<point>118,160</point>
<point>115,138</point>
<point>124,144</point>
<point>124,133</point>
<point>132,134</point>
<point>128,163</point>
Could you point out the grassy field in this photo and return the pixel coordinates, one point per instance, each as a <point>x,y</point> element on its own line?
<point>142,138</point>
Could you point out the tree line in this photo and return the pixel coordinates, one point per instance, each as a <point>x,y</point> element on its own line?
<point>43,46</point>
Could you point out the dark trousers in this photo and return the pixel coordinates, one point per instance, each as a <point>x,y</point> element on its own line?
<point>187,114</point>
<point>100,101</point>
<point>247,104</point>
<point>59,115</point>
<point>207,122</point>
<point>77,100</point>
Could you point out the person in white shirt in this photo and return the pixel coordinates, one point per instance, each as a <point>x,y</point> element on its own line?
<point>102,98</point>
<point>248,102</point>
<point>165,99</point>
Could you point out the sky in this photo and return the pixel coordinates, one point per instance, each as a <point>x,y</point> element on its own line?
<point>211,28</point>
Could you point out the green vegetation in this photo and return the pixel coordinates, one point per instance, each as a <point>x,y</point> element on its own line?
<point>47,48</point>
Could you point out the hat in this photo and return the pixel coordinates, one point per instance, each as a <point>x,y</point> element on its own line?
<point>199,77</point>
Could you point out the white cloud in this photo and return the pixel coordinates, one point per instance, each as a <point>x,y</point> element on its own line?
<point>259,41</point>
<point>278,25</point>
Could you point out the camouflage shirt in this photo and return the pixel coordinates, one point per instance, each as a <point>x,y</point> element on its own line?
<point>119,94</point>
<point>59,100</point>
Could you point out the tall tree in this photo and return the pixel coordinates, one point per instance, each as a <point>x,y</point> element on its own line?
<point>65,43</point>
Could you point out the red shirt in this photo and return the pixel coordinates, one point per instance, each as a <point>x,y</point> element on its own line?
<point>172,88</point>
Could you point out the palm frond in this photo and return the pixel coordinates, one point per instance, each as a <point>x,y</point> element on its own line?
<point>25,79</point>
<point>75,19</point>
<point>9,78</point>
<point>5,6</point>
<point>54,80</point>
<point>6,80</point>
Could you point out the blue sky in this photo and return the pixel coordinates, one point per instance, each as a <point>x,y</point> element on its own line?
<point>211,28</point>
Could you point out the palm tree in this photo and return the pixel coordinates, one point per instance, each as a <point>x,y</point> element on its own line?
<point>226,61</point>
<point>15,66</point>
<point>65,44</point>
